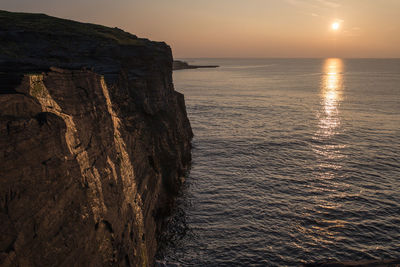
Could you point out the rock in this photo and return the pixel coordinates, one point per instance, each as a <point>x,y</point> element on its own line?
<point>182,65</point>
<point>94,143</point>
<point>159,263</point>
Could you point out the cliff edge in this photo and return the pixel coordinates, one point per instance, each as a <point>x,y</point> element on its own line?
<point>94,140</point>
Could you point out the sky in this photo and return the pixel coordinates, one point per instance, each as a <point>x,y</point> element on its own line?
<point>243,28</point>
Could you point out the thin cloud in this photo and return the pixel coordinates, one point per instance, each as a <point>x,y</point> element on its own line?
<point>314,3</point>
<point>298,3</point>
<point>329,3</point>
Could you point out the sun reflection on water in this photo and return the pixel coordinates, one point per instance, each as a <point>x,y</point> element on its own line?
<point>324,228</point>
<point>331,92</point>
<point>329,115</point>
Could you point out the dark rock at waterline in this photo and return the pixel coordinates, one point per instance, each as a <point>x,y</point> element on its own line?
<point>159,263</point>
<point>94,140</point>
<point>182,65</point>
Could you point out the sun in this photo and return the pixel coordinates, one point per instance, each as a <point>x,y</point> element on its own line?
<point>335,26</point>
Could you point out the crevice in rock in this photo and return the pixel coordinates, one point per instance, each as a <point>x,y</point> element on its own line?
<point>41,118</point>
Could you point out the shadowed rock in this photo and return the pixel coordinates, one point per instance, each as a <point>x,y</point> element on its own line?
<point>94,139</point>
<point>182,65</point>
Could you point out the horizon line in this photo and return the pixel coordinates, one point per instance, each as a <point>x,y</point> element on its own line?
<point>177,58</point>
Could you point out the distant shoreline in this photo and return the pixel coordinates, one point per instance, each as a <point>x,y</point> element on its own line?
<point>182,65</point>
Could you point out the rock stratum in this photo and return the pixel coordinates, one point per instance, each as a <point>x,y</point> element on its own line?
<point>95,143</point>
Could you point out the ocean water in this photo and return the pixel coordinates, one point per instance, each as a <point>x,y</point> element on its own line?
<point>294,161</point>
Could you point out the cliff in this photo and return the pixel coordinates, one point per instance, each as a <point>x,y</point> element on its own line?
<point>94,140</point>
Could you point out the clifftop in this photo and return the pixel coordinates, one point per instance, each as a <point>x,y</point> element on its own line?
<point>44,24</point>
<point>95,143</point>
<point>35,42</point>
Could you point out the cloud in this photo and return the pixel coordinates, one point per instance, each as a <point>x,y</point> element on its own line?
<point>298,3</point>
<point>353,32</point>
<point>314,8</point>
<point>329,3</point>
<point>314,3</point>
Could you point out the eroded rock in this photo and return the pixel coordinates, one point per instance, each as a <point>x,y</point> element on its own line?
<point>94,144</point>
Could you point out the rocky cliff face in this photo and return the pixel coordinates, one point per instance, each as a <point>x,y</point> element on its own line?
<point>94,143</point>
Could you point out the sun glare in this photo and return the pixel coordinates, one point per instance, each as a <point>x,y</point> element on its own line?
<point>335,26</point>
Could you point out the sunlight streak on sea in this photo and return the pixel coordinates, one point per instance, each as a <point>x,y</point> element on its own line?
<point>294,160</point>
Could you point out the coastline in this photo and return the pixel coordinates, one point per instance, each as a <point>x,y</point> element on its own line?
<point>95,143</point>
<point>183,65</point>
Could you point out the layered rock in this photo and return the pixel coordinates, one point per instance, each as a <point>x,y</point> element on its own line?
<point>94,139</point>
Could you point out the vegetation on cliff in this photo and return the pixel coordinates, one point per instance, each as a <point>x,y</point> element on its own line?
<point>51,26</point>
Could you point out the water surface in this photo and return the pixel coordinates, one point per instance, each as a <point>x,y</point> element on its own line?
<point>294,160</point>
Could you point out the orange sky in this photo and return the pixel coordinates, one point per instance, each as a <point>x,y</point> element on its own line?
<point>243,28</point>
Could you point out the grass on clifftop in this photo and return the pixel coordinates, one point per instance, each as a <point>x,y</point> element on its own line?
<point>44,24</point>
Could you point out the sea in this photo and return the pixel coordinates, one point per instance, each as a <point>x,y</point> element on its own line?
<point>294,161</point>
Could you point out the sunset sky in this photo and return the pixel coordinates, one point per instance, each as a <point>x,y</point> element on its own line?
<point>243,28</point>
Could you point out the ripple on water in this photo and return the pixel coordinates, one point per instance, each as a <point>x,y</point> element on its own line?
<point>290,167</point>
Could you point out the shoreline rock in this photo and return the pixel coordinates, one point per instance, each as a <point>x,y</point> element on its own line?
<point>182,65</point>
<point>95,143</point>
